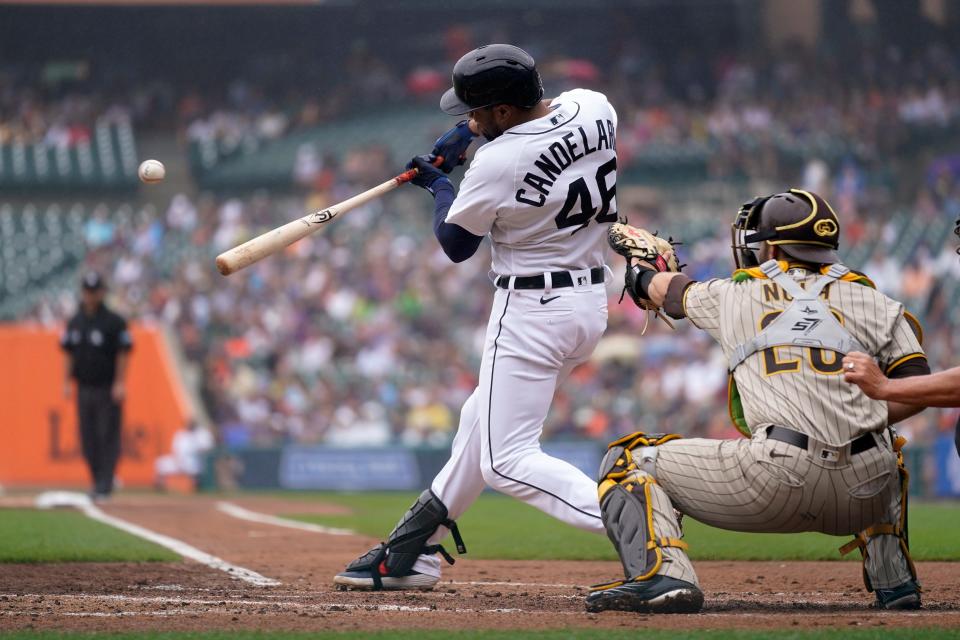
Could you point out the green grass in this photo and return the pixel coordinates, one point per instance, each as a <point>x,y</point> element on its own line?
<point>29,535</point>
<point>498,527</point>
<point>566,634</point>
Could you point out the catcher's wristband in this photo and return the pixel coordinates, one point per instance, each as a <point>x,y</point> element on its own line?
<point>643,279</point>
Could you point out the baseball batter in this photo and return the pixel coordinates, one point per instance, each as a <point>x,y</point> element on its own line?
<point>543,189</point>
<point>820,456</point>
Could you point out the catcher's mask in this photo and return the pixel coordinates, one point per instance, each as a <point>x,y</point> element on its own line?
<point>801,223</point>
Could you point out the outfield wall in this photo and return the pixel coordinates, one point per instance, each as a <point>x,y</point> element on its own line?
<point>39,438</point>
<point>934,470</point>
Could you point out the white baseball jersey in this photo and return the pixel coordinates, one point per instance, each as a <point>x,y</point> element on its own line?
<point>545,191</point>
<point>542,187</point>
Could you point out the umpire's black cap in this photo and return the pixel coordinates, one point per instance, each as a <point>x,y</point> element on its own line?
<point>493,74</point>
<point>92,281</point>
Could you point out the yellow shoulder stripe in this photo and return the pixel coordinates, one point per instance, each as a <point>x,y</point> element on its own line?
<point>915,325</point>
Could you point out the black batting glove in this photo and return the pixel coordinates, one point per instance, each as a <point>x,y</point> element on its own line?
<point>428,176</point>
<point>451,147</point>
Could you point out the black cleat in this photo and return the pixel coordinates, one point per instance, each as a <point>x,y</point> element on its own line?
<point>363,581</point>
<point>905,596</point>
<point>659,594</point>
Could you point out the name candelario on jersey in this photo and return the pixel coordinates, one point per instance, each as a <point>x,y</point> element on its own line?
<point>561,154</point>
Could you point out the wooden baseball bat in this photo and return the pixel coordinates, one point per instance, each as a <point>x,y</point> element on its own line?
<point>268,243</point>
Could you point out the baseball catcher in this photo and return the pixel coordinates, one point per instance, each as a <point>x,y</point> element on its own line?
<point>819,454</point>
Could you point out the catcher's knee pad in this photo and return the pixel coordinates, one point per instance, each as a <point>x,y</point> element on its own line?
<point>898,529</point>
<point>632,451</point>
<point>407,541</point>
<point>626,505</point>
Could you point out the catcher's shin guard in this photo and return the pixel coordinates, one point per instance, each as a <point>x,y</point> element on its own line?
<point>626,505</point>
<point>898,529</point>
<point>407,541</point>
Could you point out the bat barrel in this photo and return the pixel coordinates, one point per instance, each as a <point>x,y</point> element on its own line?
<point>225,265</point>
<point>272,241</point>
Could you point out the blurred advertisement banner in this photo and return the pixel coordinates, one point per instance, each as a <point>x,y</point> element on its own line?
<point>947,467</point>
<point>357,469</point>
<point>348,469</point>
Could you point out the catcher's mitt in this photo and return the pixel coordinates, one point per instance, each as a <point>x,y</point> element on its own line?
<point>635,243</point>
<point>639,245</point>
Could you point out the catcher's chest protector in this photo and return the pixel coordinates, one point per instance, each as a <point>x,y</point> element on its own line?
<point>806,322</point>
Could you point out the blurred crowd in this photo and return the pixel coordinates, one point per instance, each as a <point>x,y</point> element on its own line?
<point>366,334</point>
<point>62,107</point>
<point>744,115</point>
<point>741,116</point>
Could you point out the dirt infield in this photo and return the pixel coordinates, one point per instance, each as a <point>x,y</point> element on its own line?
<point>473,594</point>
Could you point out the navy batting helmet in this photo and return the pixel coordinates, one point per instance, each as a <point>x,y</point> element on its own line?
<point>493,74</point>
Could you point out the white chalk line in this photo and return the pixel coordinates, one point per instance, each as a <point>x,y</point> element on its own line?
<point>262,518</point>
<point>221,602</point>
<point>181,548</point>
<point>480,583</point>
<point>435,594</point>
<point>338,606</point>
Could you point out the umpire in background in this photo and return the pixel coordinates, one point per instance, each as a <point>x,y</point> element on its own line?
<point>98,344</point>
<point>935,390</point>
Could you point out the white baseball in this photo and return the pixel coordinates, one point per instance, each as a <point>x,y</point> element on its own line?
<point>151,171</point>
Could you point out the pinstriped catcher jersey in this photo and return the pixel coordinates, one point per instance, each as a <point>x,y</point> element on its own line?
<point>801,387</point>
<point>545,190</point>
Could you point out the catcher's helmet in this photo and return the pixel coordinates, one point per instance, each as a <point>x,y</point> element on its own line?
<point>493,74</point>
<point>801,223</point>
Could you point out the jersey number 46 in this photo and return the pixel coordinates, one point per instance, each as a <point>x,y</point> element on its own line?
<point>580,192</point>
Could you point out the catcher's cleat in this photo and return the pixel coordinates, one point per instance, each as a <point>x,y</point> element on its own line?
<point>660,594</point>
<point>905,596</point>
<point>362,581</point>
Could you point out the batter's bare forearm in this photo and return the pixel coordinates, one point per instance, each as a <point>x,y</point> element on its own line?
<point>935,390</point>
